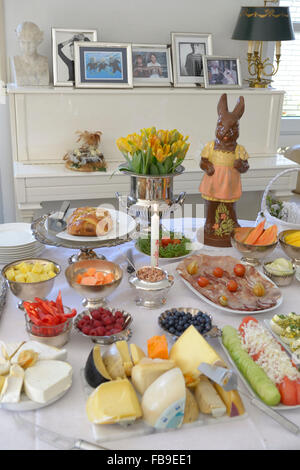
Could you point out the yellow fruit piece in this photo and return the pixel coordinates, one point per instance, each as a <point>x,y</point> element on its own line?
<point>20,278</point>
<point>37,268</point>
<point>33,277</point>
<point>10,274</point>
<point>51,274</point>
<point>49,267</point>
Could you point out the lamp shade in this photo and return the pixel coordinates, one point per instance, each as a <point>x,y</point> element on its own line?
<point>264,24</point>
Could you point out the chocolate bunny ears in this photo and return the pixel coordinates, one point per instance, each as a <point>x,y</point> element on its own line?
<point>230,118</point>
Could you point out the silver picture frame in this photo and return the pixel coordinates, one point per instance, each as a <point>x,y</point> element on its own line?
<point>63,69</point>
<point>162,75</point>
<point>227,72</point>
<point>188,50</point>
<point>103,74</point>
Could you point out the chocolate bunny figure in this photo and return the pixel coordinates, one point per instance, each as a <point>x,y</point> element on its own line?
<point>223,160</point>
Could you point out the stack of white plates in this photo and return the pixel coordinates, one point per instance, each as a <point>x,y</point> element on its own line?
<point>17,242</point>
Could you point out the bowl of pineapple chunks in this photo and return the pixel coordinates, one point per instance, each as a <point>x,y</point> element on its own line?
<point>30,278</point>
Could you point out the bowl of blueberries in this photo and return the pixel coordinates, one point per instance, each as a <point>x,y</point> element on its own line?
<point>176,320</point>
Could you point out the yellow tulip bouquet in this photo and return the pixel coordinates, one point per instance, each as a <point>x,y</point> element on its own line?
<point>153,152</point>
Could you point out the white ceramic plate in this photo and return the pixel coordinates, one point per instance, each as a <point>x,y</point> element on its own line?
<point>122,225</point>
<point>230,310</point>
<point>251,391</point>
<point>25,404</point>
<point>15,234</point>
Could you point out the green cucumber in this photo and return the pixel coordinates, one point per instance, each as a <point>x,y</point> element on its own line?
<point>253,373</point>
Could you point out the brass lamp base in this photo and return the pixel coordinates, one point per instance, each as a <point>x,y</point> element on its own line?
<point>255,83</point>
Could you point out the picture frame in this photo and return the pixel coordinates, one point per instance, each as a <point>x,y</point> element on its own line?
<point>188,50</point>
<point>222,72</point>
<point>103,65</point>
<point>63,52</point>
<point>151,65</point>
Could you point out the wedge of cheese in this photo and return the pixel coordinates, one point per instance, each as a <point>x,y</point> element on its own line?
<point>147,371</point>
<point>232,401</point>
<point>113,362</point>
<point>4,366</point>
<point>47,379</point>
<point>136,353</point>
<point>208,400</point>
<point>44,351</point>
<point>113,402</point>
<point>12,387</point>
<point>124,351</point>
<point>189,351</point>
<point>2,382</point>
<point>191,410</point>
<point>163,402</point>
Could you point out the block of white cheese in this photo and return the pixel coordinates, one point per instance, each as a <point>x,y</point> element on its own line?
<point>189,351</point>
<point>147,371</point>
<point>113,402</point>
<point>12,387</point>
<point>163,402</point>
<point>47,379</point>
<point>208,399</point>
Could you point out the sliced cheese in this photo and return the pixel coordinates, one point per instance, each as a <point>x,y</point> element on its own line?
<point>136,353</point>
<point>2,382</point>
<point>113,362</point>
<point>189,351</point>
<point>191,410</point>
<point>47,379</point>
<point>147,371</point>
<point>113,402</point>
<point>124,351</point>
<point>208,400</point>
<point>232,401</point>
<point>163,402</point>
<point>44,351</point>
<point>4,366</point>
<point>12,387</point>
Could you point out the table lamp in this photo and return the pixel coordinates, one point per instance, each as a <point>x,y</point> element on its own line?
<point>257,25</point>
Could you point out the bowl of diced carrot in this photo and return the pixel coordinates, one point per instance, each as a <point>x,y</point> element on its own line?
<point>94,279</point>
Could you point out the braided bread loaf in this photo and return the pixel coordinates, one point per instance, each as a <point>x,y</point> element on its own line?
<point>89,222</point>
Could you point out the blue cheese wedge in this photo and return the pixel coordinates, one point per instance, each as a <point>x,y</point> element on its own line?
<point>47,379</point>
<point>12,387</point>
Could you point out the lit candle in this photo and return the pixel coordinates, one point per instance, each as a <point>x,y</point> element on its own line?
<point>155,236</point>
<point>250,47</point>
<point>278,47</point>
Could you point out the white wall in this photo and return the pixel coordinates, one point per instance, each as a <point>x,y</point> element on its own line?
<point>135,21</point>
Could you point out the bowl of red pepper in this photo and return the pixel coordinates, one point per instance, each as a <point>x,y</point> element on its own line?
<point>48,321</point>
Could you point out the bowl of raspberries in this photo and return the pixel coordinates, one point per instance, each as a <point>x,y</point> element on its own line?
<point>103,325</point>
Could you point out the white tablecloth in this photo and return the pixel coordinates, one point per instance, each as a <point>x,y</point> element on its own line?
<point>67,416</point>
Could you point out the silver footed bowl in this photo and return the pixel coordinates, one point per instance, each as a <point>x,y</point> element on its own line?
<point>27,291</point>
<point>280,280</point>
<point>94,296</point>
<point>253,254</point>
<point>291,251</point>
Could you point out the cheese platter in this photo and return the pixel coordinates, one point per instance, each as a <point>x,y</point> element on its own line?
<point>225,283</point>
<point>131,391</point>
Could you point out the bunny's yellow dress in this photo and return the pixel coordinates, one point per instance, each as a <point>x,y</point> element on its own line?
<point>225,184</point>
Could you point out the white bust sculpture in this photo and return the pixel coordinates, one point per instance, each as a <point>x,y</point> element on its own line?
<point>30,68</point>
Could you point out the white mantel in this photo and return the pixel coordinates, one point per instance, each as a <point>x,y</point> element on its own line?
<point>44,121</point>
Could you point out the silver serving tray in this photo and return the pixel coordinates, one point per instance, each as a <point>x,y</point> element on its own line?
<point>214,332</point>
<point>125,334</point>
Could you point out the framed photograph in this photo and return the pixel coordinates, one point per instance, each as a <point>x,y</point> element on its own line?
<point>63,53</point>
<point>222,72</point>
<point>188,50</point>
<point>151,65</point>
<point>103,65</point>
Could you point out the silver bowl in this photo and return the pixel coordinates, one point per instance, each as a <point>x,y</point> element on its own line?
<point>94,296</point>
<point>151,294</point>
<point>125,334</point>
<point>28,291</point>
<point>291,251</point>
<point>212,333</point>
<point>253,254</point>
<point>280,280</point>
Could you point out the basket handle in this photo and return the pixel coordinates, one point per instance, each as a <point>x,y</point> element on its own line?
<point>264,198</point>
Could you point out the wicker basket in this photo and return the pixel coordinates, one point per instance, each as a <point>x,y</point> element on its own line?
<point>264,212</point>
